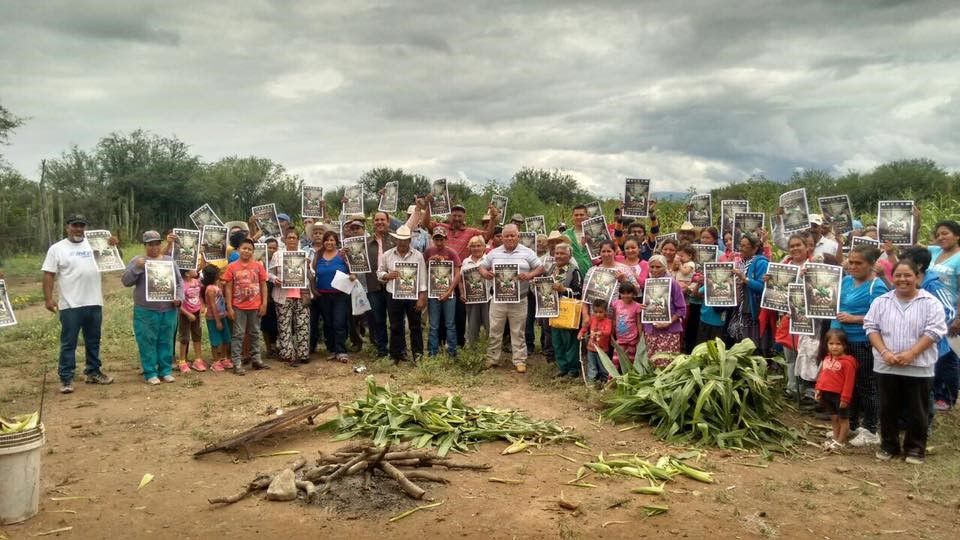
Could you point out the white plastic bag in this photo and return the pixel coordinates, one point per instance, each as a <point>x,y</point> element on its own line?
<point>358,297</point>
<point>807,349</point>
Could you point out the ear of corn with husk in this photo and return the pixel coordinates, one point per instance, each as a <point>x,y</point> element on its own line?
<point>19,423</point>
<point>663,470</point>
<point>444,422</point>
<point>713,396</point>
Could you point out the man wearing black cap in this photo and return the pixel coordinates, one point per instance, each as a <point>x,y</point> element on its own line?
<point>71,265</point>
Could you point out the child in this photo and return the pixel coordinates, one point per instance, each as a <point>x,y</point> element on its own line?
<point>838,371</point>
<point>600,328</point>
<point>190,322</point>
<point>686,268</point>
<point>218,325</point>
<point>626,313</point>
<point>245,297</point>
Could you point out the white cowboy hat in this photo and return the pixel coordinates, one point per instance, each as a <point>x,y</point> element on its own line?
<point>402,233</point>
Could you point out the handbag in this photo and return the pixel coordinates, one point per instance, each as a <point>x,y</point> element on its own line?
<point>569,318</point>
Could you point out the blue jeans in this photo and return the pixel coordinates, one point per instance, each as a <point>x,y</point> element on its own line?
<point>946,378</point>
<point>377,320</point>
<point>595,371</point>
<point>442,312</point>
<point>72,321</point>
<point>154,331</point>
<point>335,309</point>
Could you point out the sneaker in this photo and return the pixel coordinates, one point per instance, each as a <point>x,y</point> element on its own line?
<point>883,455</point>
<point>99,378</point>
<point>226,363</point>
<point>66,388</point>
<point>198,365</point>
<point>521,368</point>
<point>167,378</point>
<point>183,366</point>
<point>238,370</point>
<point>153,381</point>
<point>343,358</point>
<point>260,364</point>
<point>864,438</point>
<point>913,459</point>
<point>217,366</point>
<point>941,405</point>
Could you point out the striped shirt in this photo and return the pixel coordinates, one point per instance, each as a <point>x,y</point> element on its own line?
<point>901,326</point>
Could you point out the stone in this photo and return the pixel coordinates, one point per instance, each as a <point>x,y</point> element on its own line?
<point>283,487</point>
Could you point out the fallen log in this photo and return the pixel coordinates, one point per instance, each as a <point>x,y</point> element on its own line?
<point>267,428</point>
<point>409,487</point>
<point>426,476</point>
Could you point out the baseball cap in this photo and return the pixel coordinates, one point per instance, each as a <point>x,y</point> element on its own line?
<point>439,231</point>
<point>816,219</point>
<point>458,206</point>
<point>517,217</point>
<point>76,218</point>
<point>151,236</point>
<point>283,217</point>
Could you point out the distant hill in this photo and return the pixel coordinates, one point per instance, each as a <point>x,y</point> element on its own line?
<point>670,195</point>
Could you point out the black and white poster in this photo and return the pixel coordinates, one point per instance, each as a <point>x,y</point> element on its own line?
<point>656,301</point>
<point>895,222</point>
<point>500,203</point>
<point>595,233</point>
<point>213,243</point>
<point>506,283</point>
<point>700,213</point>
<point>390,198</point>
<point>536,224</point>
<point>352,200</point>
<point>600,284</point>
<point>311,201</point>
<point>837,213</point>
<point>796,212</point>
<point>440,206</point>
<point>720,284</point>
<point>594,209</point>
<point>547,300</point>
<point>864,241</point>
<point>161,281</point>
<point>7,317</point>
<point>747,223</point>
<point>260,253</point>
<point>705,253</point>
<point>727,210</point>
<point>407,284</point>
<point>355,253</point>
<point>186,248</point>
<point>661,238</point>
<point>636,196</point>
<point>266,217</point>
<point>293,270</point>
<point>476,290</point>
<point>822,288</point>
<point>529,239</point>
<point>204,216</point>
<point>106,256</point>
<point>800,324</point>
<point>775,292</point>
<point>439,278</point>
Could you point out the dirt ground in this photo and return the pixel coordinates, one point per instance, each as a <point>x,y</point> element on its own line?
<point>102,439</point>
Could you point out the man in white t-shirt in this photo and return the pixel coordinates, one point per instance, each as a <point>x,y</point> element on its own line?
<point>70,263</point>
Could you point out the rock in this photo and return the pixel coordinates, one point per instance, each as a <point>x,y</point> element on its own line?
<point>283,487</point>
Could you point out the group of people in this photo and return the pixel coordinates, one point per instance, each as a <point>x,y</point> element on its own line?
<point>883,365</point>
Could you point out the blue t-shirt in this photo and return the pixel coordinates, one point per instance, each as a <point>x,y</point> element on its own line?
<point>856,301</point>
<point>327,269</point>
<point>948,270</point>
<point>710,316</point>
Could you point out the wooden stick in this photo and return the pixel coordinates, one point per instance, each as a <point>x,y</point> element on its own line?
<point>267,428</point>
<point>426,477</point>
<point>309,487</point>
<point>457,465</point>
<point>409,487</point>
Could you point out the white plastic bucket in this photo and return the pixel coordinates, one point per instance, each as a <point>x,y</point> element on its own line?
<point>20,475</point>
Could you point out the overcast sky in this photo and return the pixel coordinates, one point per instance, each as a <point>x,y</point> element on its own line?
<point>687,93</point>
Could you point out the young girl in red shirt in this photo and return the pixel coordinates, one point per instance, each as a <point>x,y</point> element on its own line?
<point>834,390</point>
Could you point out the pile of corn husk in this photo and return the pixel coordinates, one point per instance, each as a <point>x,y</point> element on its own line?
<point>19,423</point>
<point>713,396</point>
<point>444,422</point>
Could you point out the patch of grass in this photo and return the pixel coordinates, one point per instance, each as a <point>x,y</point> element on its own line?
<point>464,371</point>
<point>806,485</point>
<point>193,382</point>
<point>22,265</point>
<point>202,435</point>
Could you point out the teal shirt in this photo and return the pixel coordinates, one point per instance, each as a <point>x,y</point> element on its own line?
<point>856,300</point>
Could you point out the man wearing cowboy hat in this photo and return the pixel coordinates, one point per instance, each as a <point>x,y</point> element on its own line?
<point>399,310</point>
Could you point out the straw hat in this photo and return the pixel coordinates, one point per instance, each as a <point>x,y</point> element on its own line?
<point>402,233</point>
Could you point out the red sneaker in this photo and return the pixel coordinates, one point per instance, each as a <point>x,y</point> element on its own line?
<point>183,366</point>
<point>198,365</point>
<point>216,366</point>
<point>226,363</point>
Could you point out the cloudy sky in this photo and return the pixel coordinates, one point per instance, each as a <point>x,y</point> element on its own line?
<point>688,93</point>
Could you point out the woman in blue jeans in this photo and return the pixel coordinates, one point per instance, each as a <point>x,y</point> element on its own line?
<point>154,322</point>
<point>334,304</point>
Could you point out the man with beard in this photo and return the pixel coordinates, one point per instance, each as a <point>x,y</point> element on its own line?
<point>70,263</point>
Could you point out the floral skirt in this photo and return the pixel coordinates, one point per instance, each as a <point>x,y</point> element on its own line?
<point>663,343</point>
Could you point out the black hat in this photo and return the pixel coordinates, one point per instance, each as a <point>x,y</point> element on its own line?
<point>76,218</point>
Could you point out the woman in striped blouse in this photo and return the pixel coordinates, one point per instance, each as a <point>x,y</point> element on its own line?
<point>903,327</point>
